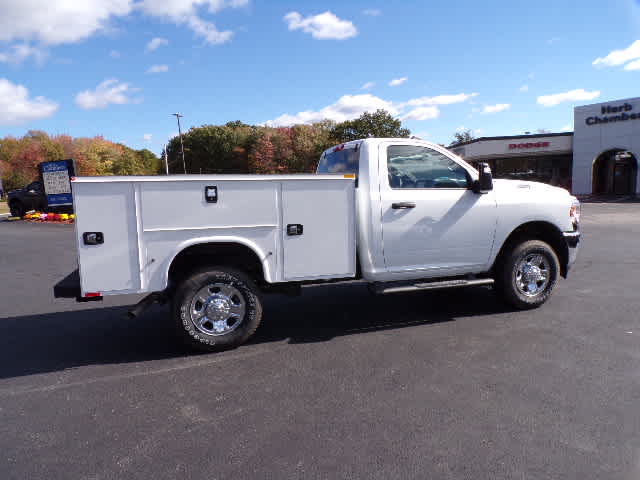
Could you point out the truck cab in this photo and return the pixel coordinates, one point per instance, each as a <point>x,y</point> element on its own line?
<point>421,212</point>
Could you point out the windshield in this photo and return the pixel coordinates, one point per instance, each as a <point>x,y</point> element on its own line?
<point>339,160</point>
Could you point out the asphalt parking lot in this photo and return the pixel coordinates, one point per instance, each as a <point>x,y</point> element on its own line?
<point>336,384</point>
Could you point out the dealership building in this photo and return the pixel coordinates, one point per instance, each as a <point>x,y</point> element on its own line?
<point>599,157</point>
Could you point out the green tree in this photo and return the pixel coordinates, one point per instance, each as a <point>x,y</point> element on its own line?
<point>213,149</point>
<point>380,124</point>
<point>151,164</point>
<point>462,137</point>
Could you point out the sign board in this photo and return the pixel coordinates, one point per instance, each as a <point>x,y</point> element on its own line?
<point>55,179</point>
<point>527,145</point>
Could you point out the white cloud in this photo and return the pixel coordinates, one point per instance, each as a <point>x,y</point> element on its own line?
<point>185,12</point>
<point>567,128</point>
<point>498,107</point>
<point>618,57</point>
<point>158,69</point>
<point>352,106</point>
<point>155,43</point>
<point>114,54</point>
<point>58,22</point>
<point>635,65</point>
<point>17,108</point>
<point>441,99</point>
<point>176,9</point>
<point>368,86</point>
<point>571,96</point>
<point>347,107</point>
<point>111,91</point>
<point>398,81</point>
<point>22,51</point>
<point>524,88</point>
<point>324,26</point>
<point>42,23</point>
<point>372,12</point>
<point>147,137</point>
<point>208,31</point>
<point>422,113</point>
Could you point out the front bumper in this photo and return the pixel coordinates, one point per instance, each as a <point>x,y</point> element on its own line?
<point>573,245</point>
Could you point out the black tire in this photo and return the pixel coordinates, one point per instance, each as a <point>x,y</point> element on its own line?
<point>17,209</point>
<point>510,282</point>
<point>243,293</point>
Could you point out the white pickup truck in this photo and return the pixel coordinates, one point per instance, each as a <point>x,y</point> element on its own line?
<point>400,214</point>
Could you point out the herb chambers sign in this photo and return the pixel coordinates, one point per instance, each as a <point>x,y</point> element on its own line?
<point>610,114</point>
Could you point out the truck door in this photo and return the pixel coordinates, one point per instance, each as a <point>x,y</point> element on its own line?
<point>432,223</point>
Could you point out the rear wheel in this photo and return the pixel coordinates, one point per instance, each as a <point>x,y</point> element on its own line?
<point>217,309</point>
<point>528,274</point>
<point>17,209</point>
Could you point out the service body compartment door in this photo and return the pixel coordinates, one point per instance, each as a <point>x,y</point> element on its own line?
<point>318,229</point>
<point>107,208</point>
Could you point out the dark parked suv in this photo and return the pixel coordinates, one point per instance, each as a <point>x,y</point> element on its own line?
<point>27,198</point>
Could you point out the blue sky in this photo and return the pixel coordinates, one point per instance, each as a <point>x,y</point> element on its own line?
<point>119,68</point>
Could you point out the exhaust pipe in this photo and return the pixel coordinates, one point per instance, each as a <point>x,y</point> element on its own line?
<point>146,302</point>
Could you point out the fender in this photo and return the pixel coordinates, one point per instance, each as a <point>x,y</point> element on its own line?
<point>263,256</point>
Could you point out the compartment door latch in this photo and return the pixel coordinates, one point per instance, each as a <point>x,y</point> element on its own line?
<point>93,238</point>
<point>294,229</point>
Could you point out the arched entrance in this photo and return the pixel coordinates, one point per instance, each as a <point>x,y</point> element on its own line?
<point>614,173</point>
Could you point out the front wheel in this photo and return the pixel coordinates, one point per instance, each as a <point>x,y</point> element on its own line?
<point>17,210</point>
<point>528,274</point>
<point>216,309</point>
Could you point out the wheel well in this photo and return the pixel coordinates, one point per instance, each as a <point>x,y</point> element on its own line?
<point>543,231</point>
<point>233,255</point>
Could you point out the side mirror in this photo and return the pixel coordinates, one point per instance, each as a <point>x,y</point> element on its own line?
<point>485,182</point>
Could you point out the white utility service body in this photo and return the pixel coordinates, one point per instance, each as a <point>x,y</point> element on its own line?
<point>399,214</point>
<point>147,221</point>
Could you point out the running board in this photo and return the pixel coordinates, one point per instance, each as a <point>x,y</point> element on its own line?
<point>393,287</point>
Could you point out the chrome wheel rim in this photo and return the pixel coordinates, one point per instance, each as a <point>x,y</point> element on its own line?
<point>532,274</point>
<point>217,309</point>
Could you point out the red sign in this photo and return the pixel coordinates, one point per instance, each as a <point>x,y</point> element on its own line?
<point>520,146</point>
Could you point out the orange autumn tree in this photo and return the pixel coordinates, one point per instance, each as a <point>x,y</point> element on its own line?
<point>19,157</point>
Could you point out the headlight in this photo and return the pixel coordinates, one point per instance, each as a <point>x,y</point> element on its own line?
<point>574,212</point>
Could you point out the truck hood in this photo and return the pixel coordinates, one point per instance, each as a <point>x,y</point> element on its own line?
<point>526,188</point>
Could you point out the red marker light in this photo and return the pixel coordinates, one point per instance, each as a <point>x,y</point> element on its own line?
<point>92,294</point>
<point>338,148</point>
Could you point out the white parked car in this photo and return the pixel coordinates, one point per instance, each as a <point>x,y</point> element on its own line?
<point>399,214</point>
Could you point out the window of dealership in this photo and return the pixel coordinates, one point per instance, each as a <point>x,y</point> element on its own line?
<point>599,157</point>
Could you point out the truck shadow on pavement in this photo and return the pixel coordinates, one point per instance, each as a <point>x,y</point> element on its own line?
<point>52,342</point>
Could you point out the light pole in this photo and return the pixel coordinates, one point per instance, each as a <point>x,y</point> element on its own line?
<point>166,158</point>
<point>184,164</point>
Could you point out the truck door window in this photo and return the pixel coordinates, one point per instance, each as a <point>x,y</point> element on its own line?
<point>411,166</point>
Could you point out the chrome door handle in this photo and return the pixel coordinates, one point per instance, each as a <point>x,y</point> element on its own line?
<point>403,205</point>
